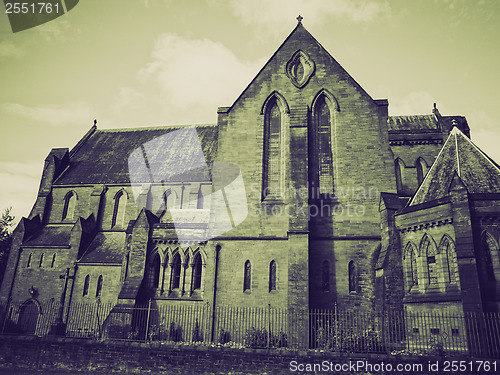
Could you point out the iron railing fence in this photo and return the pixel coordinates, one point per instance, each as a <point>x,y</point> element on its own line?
<point>336,330</point>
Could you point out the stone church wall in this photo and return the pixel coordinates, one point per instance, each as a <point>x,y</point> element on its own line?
<point>58,201</point>
<point>44,278</point>
<point>234,254</point>
<point>111,285</point>
<point>409,155</point>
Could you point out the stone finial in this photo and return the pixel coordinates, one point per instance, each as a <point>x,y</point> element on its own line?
<point>95,122</point>
<point>454,123</point>
<point>300,18</point>
<point>435,111</point>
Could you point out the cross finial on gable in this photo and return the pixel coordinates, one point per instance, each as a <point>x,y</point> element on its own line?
<point>300,18</point>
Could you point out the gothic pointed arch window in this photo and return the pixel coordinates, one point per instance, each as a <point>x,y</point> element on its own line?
<point>491,252</point>
<point>119,209</point>
<point>154,271</point>
<point>28,263</point>
<point>69,205</point>
<point>41,260</point>
<point>86,286</point>
<point>273,165</point>
<point>325,276</point>
<point>323,146</point>
<point>428,249</point>
<point>447,249</point>
<point>176,271</point>
<point>53,261</point>
<point>410,266</point>
<point>421,167</point>
<point>399,166</point>
<point>352,277</point>
<point>98,290</point>
<point>272,275</point>
<point>247,276</point>
<point>197,271</point>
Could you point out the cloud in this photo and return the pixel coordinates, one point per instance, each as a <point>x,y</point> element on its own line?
<point>414,103</point>
<point>18,186</point>
<point>53,31</point>
<point>129,98</point>
<point>55,115</point>
<point>274,16</point>
<point>200,74</point>
<point>9,49</point>
<point>481,120</point>
<point>56,30</point>
<point>459,13</point>
<point>485,132</point>
<point>487,141</point>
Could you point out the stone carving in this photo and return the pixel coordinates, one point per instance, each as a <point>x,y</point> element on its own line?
<point>300,68</point>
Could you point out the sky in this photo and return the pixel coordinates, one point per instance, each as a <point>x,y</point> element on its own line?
<point>135,63</point>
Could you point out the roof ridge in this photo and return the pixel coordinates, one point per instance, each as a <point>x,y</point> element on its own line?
<point>452,163</point>
<point>84,139</point>
<point>159,127</point>
<point>456,153</point>
<point>410,202</point>
<point>417,115</point>
<point>481,152</point>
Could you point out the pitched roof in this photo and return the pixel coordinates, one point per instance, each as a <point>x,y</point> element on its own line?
<point>391,201</point>
<point>412,123</point>
<point>103,155</point>
<point>50,235</point>
<point>106,247</point>
<point>459,155</point>
<point>301,39</point>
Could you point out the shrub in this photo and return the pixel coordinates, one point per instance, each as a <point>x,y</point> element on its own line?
<point>197,337</point>
<point>279,340</point>
<point>154,333</point>
<point>325,336</point>
<point>174,333</point>
<point>367,341</point>
<point>133,335</point>
<point>435,347</point>
<point>224,337</point>
<point>330,337</point>
<point>257,338</point>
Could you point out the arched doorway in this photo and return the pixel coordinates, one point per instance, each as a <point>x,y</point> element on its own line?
<point>28,317</point>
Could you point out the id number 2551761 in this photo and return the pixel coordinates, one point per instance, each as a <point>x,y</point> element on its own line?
<point>32,8</point>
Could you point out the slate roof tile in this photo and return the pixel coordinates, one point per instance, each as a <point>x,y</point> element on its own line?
<point>106,247</point>
<point>103,156</point>
<point>459,155</point>
<point>412,123</point>
<point>50,235</point>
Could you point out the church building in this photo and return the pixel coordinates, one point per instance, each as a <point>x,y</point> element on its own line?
<point>304,195</point>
